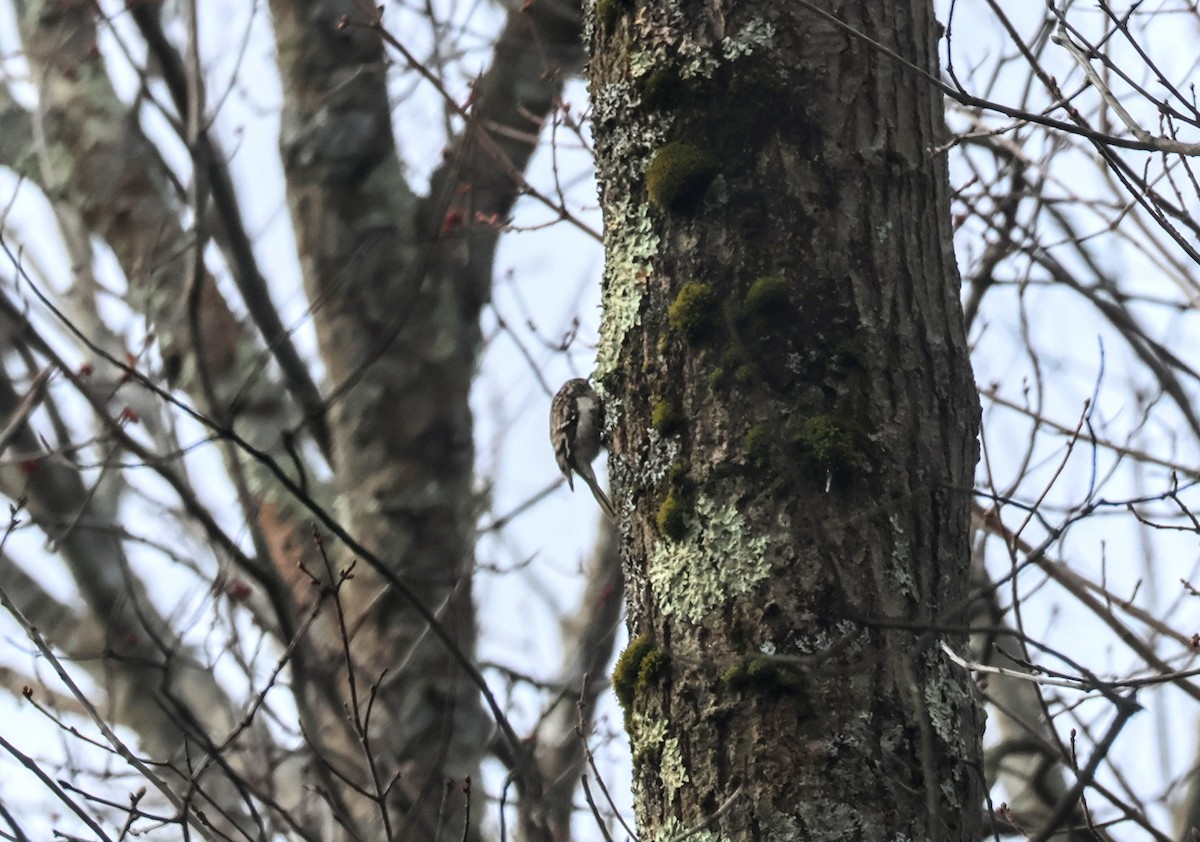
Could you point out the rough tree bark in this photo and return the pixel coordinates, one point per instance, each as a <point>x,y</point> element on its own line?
<point>794,419</point>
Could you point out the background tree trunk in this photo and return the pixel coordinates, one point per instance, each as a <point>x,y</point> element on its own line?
<point>795,420</point>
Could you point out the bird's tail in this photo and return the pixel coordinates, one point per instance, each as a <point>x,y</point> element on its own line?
<point>601,498</point>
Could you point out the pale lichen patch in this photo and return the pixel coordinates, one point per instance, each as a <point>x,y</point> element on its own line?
<point>715,560</point>
<point>631,244</point>
<point>754,34</point>
<point>671,770</point>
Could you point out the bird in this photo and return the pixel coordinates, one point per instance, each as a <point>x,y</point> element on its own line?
<point>576,421</point>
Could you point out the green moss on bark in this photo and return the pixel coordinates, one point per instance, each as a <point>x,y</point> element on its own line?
<point>768,295</point>
<point>756,444</point>
<point>672,517</point>
<point>679,175</point>
<point>762,675</point>
<point>693,313</point>
<point>666,418</point>
<point>836,444</point>
<point>636,667</point>
<point>745,375</point>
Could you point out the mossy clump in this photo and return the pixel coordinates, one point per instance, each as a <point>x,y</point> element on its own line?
<point>679,175</point>
<point>835,444</point>
<point>672,517</point>
<point>768,296</point>
<point>762,674</point>
<point>653,665</point>
<point>725,375</point>
<point>661,87</point>
<point>666,418</point>
<point>693,313</point>
<point>636,667</point>
<point>745,374</point>
<point>756,444</point>
<point>718,379</point>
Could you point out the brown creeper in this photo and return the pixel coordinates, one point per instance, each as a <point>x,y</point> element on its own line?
<point>576,420</point>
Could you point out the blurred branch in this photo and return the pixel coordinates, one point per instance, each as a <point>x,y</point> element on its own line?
<point>194,819</point>
<point>230,230</point>
<point>588,636</point>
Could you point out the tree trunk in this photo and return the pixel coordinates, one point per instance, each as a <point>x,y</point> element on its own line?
<point>402,279</point>
<point>793,420</point>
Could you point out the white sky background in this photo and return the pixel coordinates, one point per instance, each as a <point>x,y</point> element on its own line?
<point>550,276</point>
